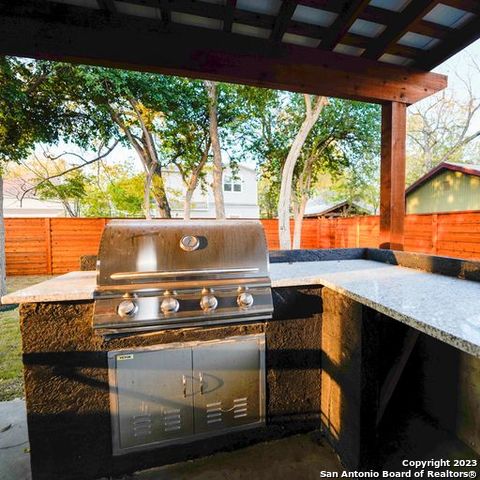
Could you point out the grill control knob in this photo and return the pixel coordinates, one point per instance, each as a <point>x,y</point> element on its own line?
<point>169,305</point>
<point>208,302</point>
<point>127,308</point>
<point>245,300</point>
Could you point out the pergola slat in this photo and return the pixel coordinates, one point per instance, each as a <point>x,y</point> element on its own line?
<point>392,33</point>
<point>229,15</point>
<point>283,18</point>
<point>472,6</point>
<point>454,43</point>
<point>342,24</point>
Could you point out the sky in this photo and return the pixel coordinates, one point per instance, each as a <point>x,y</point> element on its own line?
<point>459,66</point>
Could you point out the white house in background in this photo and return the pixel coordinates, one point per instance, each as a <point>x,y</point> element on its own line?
<point>239,191</point>
<point>30,206</point>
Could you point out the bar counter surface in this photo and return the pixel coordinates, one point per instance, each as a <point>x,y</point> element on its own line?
<point>441,306</point>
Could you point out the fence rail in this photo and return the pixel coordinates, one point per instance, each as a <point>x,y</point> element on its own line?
<point>40,246</point>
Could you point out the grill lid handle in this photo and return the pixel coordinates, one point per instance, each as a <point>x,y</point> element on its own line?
<point>179,273</point>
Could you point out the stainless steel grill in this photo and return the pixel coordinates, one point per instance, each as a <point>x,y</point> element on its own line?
<point>154,275</point>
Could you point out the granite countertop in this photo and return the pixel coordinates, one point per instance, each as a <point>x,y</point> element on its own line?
<point>71,286</point>
<point>444,307</point>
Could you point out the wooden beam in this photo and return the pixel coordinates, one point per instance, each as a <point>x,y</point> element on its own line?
<point>283,18</point>
<point>472,6</point>
<point>395,373</point>
<point>453,44</point>
<point>392,176</point>
<point>394,32</point>
<point>342,24</point>
<point>229,15</point>
<point>69,33</point>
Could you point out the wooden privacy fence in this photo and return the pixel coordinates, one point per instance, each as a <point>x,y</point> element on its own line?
<point>39,246</point>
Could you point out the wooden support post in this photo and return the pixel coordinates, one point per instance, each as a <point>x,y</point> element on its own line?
<point>392,176</point>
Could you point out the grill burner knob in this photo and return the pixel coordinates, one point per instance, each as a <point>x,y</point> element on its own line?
<point>245,300</point>
<point>169,305</point>
<point>127,308</point>
<point>208,302</point>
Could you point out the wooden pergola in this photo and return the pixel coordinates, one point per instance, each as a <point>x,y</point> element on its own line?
<point>378,51</point>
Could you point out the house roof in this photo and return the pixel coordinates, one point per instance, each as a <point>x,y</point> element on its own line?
<point>468,169</point>
<point>318,206</point>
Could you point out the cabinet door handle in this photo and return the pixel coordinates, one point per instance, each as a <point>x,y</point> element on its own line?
<point>184,383</point>
<point>200,378</point>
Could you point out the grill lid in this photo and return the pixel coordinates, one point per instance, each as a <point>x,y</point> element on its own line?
<point>140,251</point>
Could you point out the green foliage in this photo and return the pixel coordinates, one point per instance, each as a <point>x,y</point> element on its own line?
<point>71,187</point>
<point>29,111</point>
<point>114,191</point>
<point>345,142</point>
<point>126,195</point>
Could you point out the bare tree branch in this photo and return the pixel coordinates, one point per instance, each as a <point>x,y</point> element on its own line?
<point>68,170</point>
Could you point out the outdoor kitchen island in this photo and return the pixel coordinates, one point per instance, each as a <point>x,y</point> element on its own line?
<point>340,354</point>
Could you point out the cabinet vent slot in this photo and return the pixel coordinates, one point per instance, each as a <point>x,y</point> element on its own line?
<point>240,406</point>
<point>142,425</point>
<point>214,412</point>
<point>172,420</point>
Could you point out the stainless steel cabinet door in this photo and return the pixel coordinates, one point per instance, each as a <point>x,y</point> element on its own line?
<point>151,397</point>
<point>228,384</point>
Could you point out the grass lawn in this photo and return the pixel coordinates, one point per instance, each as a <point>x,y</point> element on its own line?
<point>11,374</point>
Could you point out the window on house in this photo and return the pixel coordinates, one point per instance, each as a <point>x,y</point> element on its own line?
<point>232,184</point>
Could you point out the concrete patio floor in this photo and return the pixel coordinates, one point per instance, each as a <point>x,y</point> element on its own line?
<point>299,457</point>
<point>14,447</point>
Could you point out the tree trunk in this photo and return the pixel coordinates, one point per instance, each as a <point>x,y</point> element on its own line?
<point>311,116</point>
<point>193,183</point>
<point>217,184</point>
<point>297,230</point>
<point>146,195</point>
<point>159,192</point>
<point>148,155</point>
<point>3,265</point>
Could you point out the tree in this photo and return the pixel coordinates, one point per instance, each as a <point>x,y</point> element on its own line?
<point>217,184</point>
<point>313,109</point>
<point>30,112</point>
<point>347,132</point>
<point>345,144</point>
<point>70,190</point>
<point>442,128</point>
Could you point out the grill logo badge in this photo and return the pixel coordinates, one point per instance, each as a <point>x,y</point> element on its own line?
<point>125,357</point>
<point>189,243</point>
